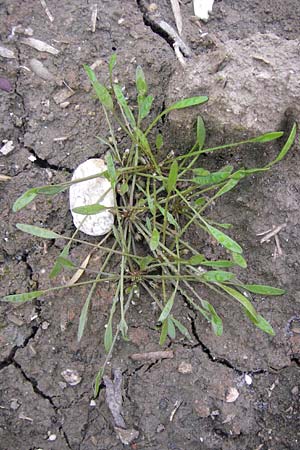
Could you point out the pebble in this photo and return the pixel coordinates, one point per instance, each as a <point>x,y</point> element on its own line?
<point>40,70</point>
<point>45,325</point>
<point>295,390</point>
<point>201,408</point>
<point>92,403</point>
<point>5,85</point>
<point>15,404</point>
<point>7,148</point>
<point>160,428</point>
<point>248,379</point>
<point>185,367</point>
<point>89,192</point>
<point>232,395</point>
<point>52,437</point>
<point>72,377</point>
<point>6,53</point>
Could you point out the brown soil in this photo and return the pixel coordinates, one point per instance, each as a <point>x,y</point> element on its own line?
<point>38,340</point>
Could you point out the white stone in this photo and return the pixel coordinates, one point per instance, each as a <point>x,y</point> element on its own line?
<point>89,192</point>
<point>72,377</point>
<point>232,395</point>
<point>248,379</point>
<point>202,8</point>
<point>7,148</point>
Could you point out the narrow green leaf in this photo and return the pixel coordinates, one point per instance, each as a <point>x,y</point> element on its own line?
<point>89,210</point>
<point>22,298</point>
<point>241,299</point>
<point>65,262</point>
<point>267,137</point>
<point>213,178</point>
<point>201,172</point>
<point>227,187</point>
<point>195,260</point>
<point>141,84</point>
<point>124,329</point>
<point>238,259</point>
<point>101,91</point>
<point>111,63</point>
<point>183,330</point>
<point>111,169</point>
<point>200,201</point>
<point>98,380</point>
<point>37,231</point>
<point>83,318</point>
<point>186,103</point>
<point>25,199</point>
<point>215,319</point>
<point>145,106</point>
<point>144,262</point>
<point>170,218</point>
<point>123,104</point>
<point>167,308</point>
<point>286,146</point>
<point>218,276</point>
<point>51,189</point>
<point>108,337</point>
<point>163,333</point>
<point>154,241</point>
<point>220,263</point>
<point>171,328</point>
<point>263,289</point>
<point>143,141</point>
<point>261,323</point>
<point>159,141</point>
<point>172,178</point>
<point>224,240</point>
<point>201,133</point>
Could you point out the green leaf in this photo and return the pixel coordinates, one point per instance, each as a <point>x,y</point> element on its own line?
<point>124,329</point>
<point>163,333</point>
<point>83,318</point>
<point>172,178</point>
<point>218,276</point>
<point>170,218</point>
<point>101,91</point>
<point>37,231</point>
<point>267,137</point>
<point>213,178</point>
<point>25,199</point>
<point>224,240</point>
<point>145,104</point>
<point>141,84</point>
<point>111,63</point>
<point>57,268</point>
<point>167,308</point>
<point>65,262</point>
<point>108,337</point>
<point>97,381</point>
<point>123,188</point>
<point>186,103</point>
<point>286,146</point>
<point>201,172</point>
<point>123,104</point>
<point>227,187</point>
<point>22,298</point>
<point>144,262</point>
<point>171,328</point>
<point>111,169</point>
<point>154,241</point>
<point>263,289</point>
<point>238,259</point>
<point>142,140</point>
<point>261,323</point>
<point>220,263</point>
<point>201,133</point>
<point>215,319</point>
<point>183,330</point>
<point>89,210</point>
<point>200,201</point>
<point>241,299</point>
<point>51,189</point>
<point>159,141</point>
<point>195,260</point>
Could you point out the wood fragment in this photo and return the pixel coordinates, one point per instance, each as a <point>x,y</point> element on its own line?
<point>278,246</point>
<point>4,177</point>
<point>40,70</point>
<point>47,11</point>
<point>177,405</point>
<point>80,271</point>
<point>167,354</point>
<point>177,14</point>
<point>175,37</point>
<point>39,45</point>
<point>114,397</point>
<point>94,17</point>
<point>179,55</point>
<point>272,233</point>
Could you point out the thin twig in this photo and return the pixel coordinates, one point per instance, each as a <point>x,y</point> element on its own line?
<point>167,354</point>
<point>272,233</point>
<point>44,5</point>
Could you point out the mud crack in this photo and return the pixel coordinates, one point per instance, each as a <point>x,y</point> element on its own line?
<point>10,358</point>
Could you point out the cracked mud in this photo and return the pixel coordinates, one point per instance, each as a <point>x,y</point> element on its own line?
<point>175,404</point>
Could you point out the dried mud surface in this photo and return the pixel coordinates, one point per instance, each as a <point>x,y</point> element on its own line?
<point>38,340</point>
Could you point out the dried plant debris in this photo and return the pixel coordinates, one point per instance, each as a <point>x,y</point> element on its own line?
<point>39,45</point>
<point>40,70</point>
<point>177,14</point>
<point>6,53</point>
<point>47,11</point>
<point>114,402</point>
<point>94,17</point>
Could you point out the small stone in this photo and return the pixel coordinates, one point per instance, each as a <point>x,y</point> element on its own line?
<point>90,192</point>
<point>15,404</point>
<point>7,148</point>
<point>32,158</point>
<point>52,437</point>
<point>185,367</point>
<point>45,325</point>
<point>62,384</point>
<point>295,390</point>
<point>248,379</point>
<point>160,428</point>
<point>127,436</point>
<point>201,409</point>
<point>72,377</point>
<point>92,403</point>
<point>232,395</point>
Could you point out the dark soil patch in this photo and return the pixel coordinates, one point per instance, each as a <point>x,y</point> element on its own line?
<point>38,340</point>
